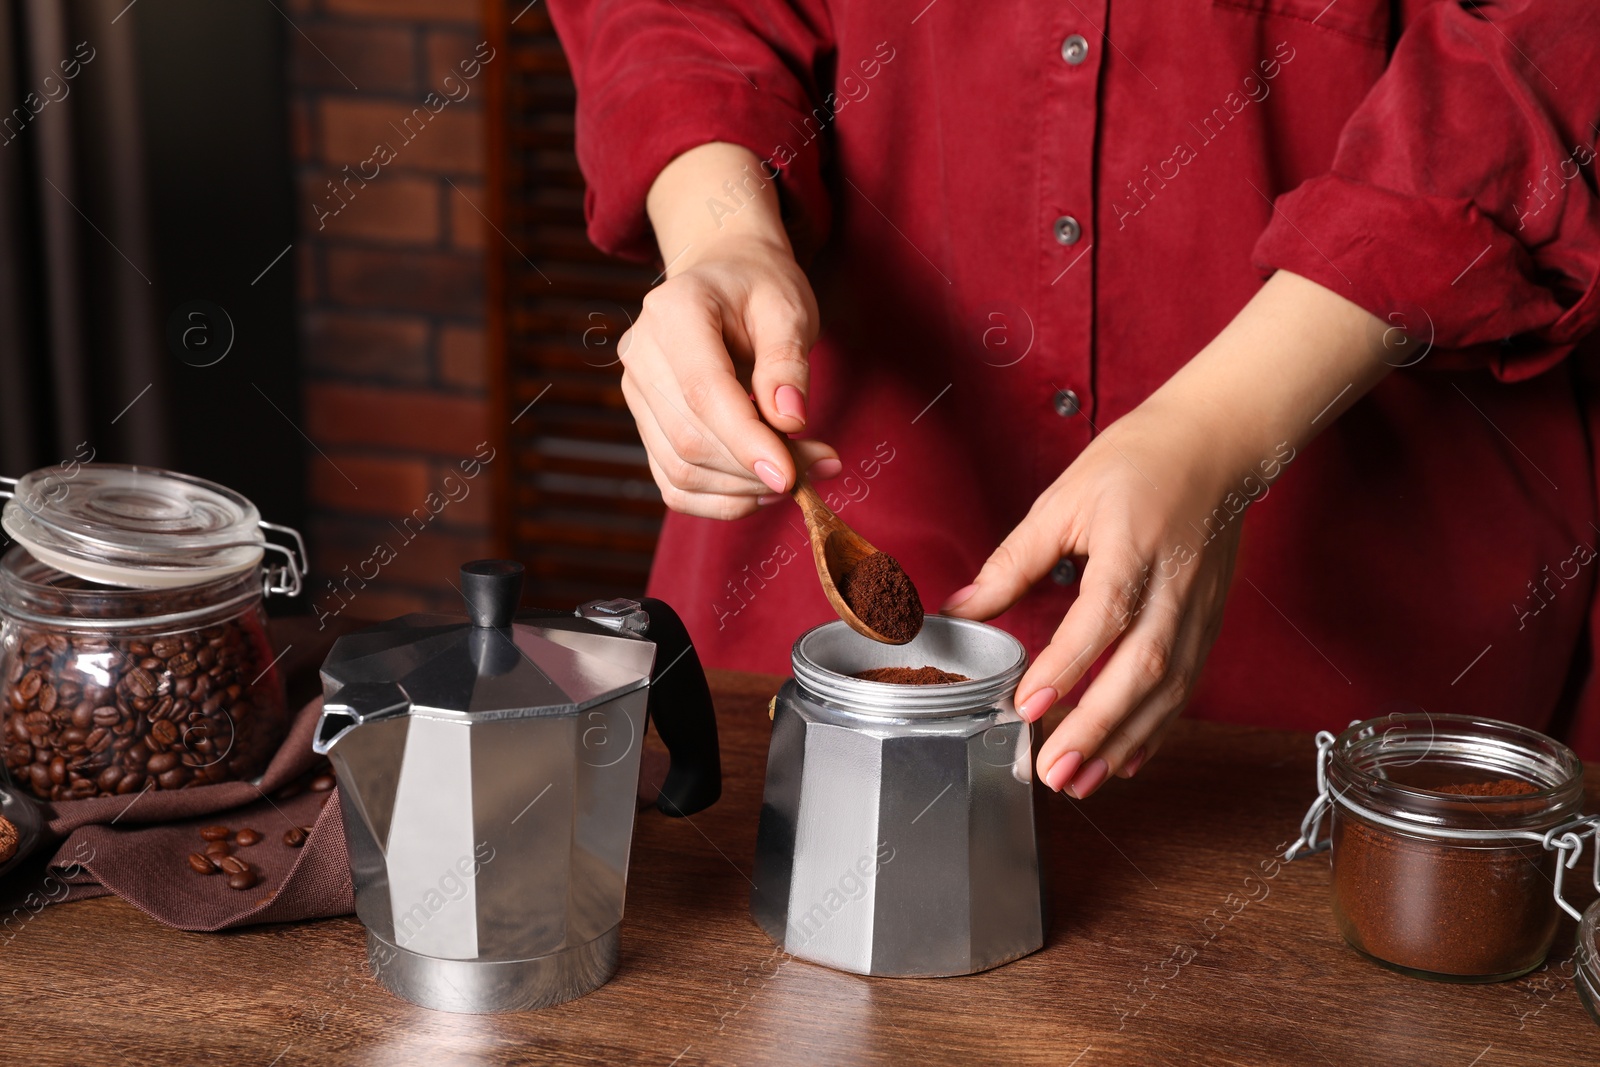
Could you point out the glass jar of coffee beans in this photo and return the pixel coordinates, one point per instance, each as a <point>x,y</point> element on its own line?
<point>112,684</point>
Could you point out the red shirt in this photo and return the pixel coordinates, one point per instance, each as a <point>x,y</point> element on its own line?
<point>1024,216</point>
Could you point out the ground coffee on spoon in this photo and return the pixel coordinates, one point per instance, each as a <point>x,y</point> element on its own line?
<point>882,596</point>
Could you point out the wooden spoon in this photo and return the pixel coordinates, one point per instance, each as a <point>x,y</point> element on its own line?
<point>837,551</point>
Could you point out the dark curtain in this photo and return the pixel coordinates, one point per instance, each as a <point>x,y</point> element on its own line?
<point>81,343</point>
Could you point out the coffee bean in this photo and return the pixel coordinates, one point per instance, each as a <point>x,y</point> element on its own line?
<point>323,782</point>
<point>295,836</point>
<point>247,837</point>
<point>174,711</point>
<point>243,880</point>
<point>201,864</point>
<point>140,682</point>
<point>216,833</point>
<point>218,849</point>
<point>233,864</point>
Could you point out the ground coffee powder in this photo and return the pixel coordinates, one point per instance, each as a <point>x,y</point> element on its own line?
<point>882,596</point>
<point>1504,787</point>
<point>911,676</point>
<point>1464,909</point>
<point>8,839</point>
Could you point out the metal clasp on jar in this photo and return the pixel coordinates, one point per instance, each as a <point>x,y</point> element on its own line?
<point>288,577</point>
<point>1567,841</point>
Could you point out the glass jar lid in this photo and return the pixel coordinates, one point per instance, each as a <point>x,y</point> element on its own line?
<point>140,527</point>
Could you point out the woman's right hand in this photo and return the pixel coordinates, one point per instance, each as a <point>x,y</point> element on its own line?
<point>735,319</point>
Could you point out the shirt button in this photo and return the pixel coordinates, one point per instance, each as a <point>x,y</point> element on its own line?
<point>1075,49</point>
<point>1064,573</point>
<point>1067,230</point>
<point>1066,402</point>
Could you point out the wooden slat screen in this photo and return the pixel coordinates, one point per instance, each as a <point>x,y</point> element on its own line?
<point>581,510</point>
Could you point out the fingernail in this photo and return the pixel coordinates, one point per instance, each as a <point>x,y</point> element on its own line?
<point>825,468</point>
<point>1058,775</point>
<point>768,499</point>
<point>790,401</point>
<point>959,597</point>
<point>1089,779</point>
<point>1040,702</point>
<point>769,475</point>
<point>1135,761</point>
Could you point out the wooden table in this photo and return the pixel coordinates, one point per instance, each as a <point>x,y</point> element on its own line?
<point>1151,958</point>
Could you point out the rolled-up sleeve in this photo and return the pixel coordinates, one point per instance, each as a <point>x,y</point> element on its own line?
<point>1463,189</point>
<point>656,78</point>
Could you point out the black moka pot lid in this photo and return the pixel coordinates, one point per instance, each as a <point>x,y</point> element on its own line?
<point>486,666</point>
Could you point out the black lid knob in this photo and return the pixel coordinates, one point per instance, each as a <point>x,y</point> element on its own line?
<point>492,589</point>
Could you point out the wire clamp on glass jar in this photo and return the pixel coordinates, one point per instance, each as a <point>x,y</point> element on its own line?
<point>1565,838</point>
<point>287,578</point>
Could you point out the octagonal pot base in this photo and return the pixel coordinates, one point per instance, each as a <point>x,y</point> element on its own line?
<point>481,987</point>
<point>877,970</point>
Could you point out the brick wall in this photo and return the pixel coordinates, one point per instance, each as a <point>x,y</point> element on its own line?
<point>391,259</point>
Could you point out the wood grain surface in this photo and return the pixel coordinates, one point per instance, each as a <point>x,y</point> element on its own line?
<point>1159,951</point>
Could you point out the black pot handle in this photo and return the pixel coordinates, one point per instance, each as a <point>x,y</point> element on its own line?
<point>680,705</point>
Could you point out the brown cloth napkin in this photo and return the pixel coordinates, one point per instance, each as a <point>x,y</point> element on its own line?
<point>138,848</point>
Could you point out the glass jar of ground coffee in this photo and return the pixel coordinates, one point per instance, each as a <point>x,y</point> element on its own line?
<point>1439,823</point>
<point>133,644</point>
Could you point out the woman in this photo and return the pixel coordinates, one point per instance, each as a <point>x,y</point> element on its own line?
<point>1001,268</point>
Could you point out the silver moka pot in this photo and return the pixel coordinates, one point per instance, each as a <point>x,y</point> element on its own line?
<point>488,768</point>
<point>896,833</point>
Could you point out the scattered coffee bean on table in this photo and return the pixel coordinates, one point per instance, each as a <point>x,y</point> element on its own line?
<point>216,833</point>
<point>882,596</point>
<point>911,676</point>
<point>8,839</point>
<point>218,849</point>
<point>202,864</point>
<point>245,879</point>
<point>323,782</point>
<point>295,836</point>
<point>233,865</point>
<point>247,837</point>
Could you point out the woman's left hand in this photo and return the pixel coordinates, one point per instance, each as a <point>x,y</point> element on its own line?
<point>1148,504</point>
<point>1155,504</point>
